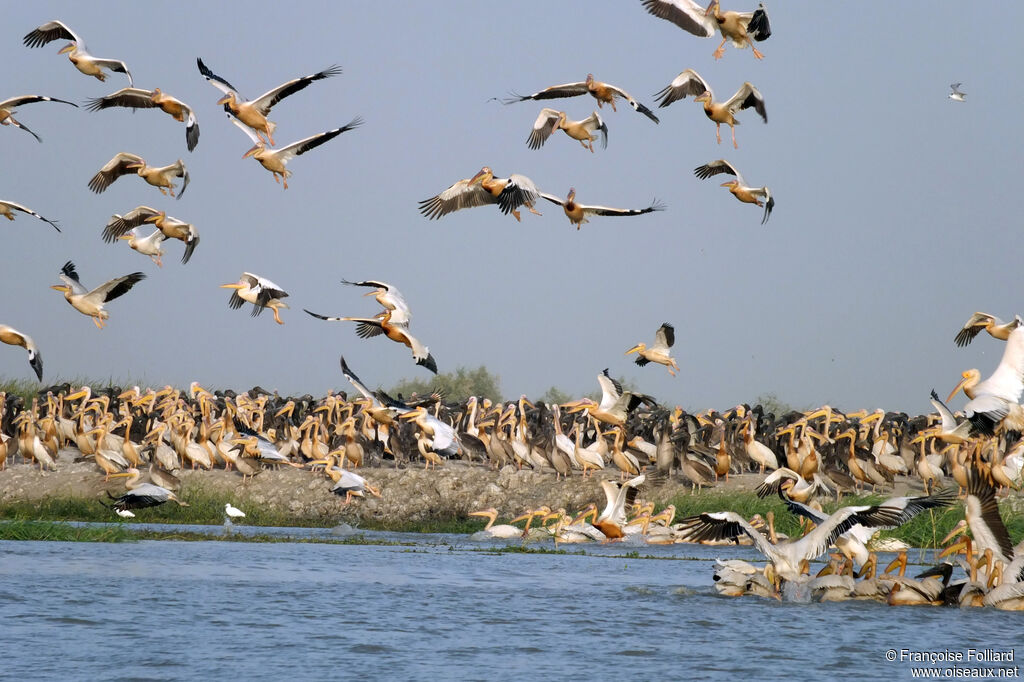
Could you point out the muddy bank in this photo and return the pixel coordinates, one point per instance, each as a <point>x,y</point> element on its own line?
<point>407,495</point>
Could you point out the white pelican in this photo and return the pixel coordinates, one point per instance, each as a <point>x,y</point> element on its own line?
<point>169,227</point>
<point>148,245</point>
<point>583,131</point>
<point>444,439</point>
<point>787,557</point>
<point>612,520</point>
<point>7,206</point>
<point>254,113</point>
<point>689,82</point>
<point>142,495</point>
<point>950,431</point>
<point>233,512</point>
<point>259,291</point>
<point>350,484</point>
<point>604,93</point>
<point>275,160</point>
<point>664,338</point>
<point>91,302</point>
<point>13,337</point>
<point>578,213</point>
<point>9,106</point>
<point>957,95</point>
<point>158,176</point>
<point>135,98</point>
<point>381,413</point>
<point>388,296</point>
<point>79,56</point>
<point>990,323</point>
<point>981,516</point>
<point>995,400</point>
<point>853,543</point>
<point>739,27</point>
<point>491,532</point>
<point>480,190</point>
<point>738,187</point>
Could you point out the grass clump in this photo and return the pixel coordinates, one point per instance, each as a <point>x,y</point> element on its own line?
<point>63,532</point>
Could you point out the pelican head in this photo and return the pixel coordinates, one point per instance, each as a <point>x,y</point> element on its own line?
<point>731,184</point>
<point>637,348</point>
<point>571,196</point>
<point>228,99</point>
<point>967,377</point>
<point>703,97</point>
<point>491,513</point>
<point>162,215</point>
<point>259,146</point>
<point>485,174</point>
<point>70,47</point>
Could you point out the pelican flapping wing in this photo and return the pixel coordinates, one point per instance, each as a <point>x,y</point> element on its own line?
<point>990,323</point>
<point>689,82</point>
<point>12,336</point>
<point>314,141</point>
<point>6,206</point>
<point>686,14</point>
<point>136,98</point>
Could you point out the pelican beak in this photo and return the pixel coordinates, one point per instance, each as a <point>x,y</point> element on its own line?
<point>232,286</point>
<point>477,177</point>
<point>253,150</point>
<point>123,474</point>
<point>958,529</point>
<point>59,287</point>
<point>953,549</point>
<point>67,48</point>
<point>958,387</point>
<point>726,184</point>
<point>126,237</point>
<point>224,100</point>
<point>634,349</point>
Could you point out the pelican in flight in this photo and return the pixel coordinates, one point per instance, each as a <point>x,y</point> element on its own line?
<point>91,302</point>
<point>13,337</point>
<point>578,213</point>
<point>9,106</point>
<point>123,227</point>
<point>604,93</point>
<point>254,113</point>
<point>259,291</point>
<point>124,163</point>
<point>79,56</point>
<point>994,401</point>
<point>990,323</point>
<point>957,95</point>
<point>142,495</point>
<point>482,189</point>
<point>7,206</point>
<point>368,327</point>
<point>664,338</point>
<point>388,296</point>
<point>275,160</point>
<point>147,245</point>
<point>135,98</point>
<point>738,187</point>
<point>689,82</point>
<point>786,557</point>
<point>584,131</point>
<point>742,28</point>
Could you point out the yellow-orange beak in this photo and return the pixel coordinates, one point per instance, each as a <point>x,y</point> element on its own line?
<point>635,349</point>
<point>236,285</point>
<point>959,386</point>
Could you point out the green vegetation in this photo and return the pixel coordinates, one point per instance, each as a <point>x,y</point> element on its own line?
<point>62,532</point>
<point>455,386</point>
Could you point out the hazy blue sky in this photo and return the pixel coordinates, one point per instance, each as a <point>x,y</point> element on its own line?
<point>896,215</point>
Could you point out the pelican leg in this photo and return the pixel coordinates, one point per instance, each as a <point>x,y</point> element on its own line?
<point>164,192</point>
<point>516,215</point>
<point>733,129</point>
<point>721,49</point>
<point>533,210</point>
<point>757,55</point>
<point>718,132</point>
<point>590,145</point>
<point>284,181</point>
<point>277,318</point>
<point>98,322</point>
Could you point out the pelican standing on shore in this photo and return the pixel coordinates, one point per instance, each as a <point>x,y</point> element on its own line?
<point>91,302</point>
<point>158,176</point>
<point>136,98</point>
<point>9,106</point>
<point>7,206</point>
<point>79,56</point>
<point>259,291</point>
<point>738,187</point>
<point>13,337</point>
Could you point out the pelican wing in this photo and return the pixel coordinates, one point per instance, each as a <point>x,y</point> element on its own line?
<point>50,31</point>
<point>611,389</point>
<point>608,211</point>
<point>546,123</point>
<point>120,225</point>
<point>115,168</point>
<point>949,422</point>
<point>594,122</point>
<point>982,512</point>
<point>1007,381</point>
<point>716,167</point>
<point>759,28</point>
<point>264,102</point>
<point>191,242</point>
<point>115,65</point>
<point>519,190</point>
<point>632,102</point>
<point>117,287</point>
<point>314,141</point>
<point>13,102</point>
<point>769,202</point>
<point>182,172</point>
<point>249,133</point>
<point>724,525</point>
<point>665,337</point>
<point>688,82</point>
<point>978,322</point>
<point>133,98</point>
<point>462,194</point>
<point>216,81</point>
<point>352,378</point>
<point>745,98</point>
<point>69,275</point>
<point>392,299</point>
<point>26,209</point>
<point>554,92</point>
<point>191,127</point>
<point>686,14</point>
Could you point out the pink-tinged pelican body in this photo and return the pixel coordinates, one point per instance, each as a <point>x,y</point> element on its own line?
<point>275,160</point>
<point>168,227</point>
<point>259,291</point>
<point>664,339</point>
<point>91,302</point>
<point>77,53</point>
<point>158,176</point>
<point>742,28</point>
<point>9,106</point>
<point>135,98</point>
<point>604,93</point>
<point>481,190</point>
<point>254,113</point>
<point>578,213</point>
<point>584,131</point>
<point>739,187</point>
<point>689,82</point>
<point>13,337</point>
<point>994,401</point>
